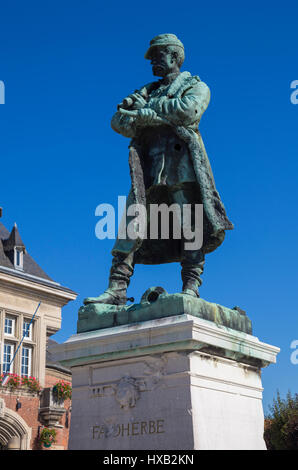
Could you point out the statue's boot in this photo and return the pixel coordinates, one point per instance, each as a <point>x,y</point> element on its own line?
<point>192,268</point>
<point>120,274</point>
<point>113,295</point>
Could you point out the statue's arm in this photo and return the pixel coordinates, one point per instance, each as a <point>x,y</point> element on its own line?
<point>186,109</point>
<point>124,125</point>
<point>128,121</point>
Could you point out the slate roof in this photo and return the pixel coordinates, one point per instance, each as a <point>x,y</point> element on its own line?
<point>13,240</point>
<point>8,240</point>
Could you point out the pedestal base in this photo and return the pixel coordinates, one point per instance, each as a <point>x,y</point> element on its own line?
<point>100,316</point>
<point>177,383</point>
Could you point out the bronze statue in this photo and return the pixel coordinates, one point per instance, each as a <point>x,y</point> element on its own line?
<point>168,164</point>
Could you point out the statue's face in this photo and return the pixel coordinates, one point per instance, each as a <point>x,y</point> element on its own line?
<point>162,62</point>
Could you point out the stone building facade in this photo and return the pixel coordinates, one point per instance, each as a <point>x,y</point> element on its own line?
<point>23,285</point>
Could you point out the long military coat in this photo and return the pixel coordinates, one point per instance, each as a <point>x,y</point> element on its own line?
<point>180,105</point>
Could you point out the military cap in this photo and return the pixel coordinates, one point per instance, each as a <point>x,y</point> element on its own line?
<point>163,40</point>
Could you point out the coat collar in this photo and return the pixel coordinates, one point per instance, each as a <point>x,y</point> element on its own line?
<point>177,83</point>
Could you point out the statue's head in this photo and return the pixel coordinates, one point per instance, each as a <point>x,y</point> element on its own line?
<point>166,53</point>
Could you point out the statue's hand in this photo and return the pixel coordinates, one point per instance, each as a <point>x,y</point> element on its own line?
<point>139,101</point>
<point>147,117</point>
<point>134,101</point>
<point>143,117</point>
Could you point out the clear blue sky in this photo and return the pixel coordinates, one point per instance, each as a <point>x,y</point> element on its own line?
<point>66,65</point>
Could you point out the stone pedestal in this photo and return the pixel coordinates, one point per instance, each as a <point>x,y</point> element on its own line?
<point>174,383</point>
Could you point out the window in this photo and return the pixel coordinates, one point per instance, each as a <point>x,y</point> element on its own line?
<point>26,361</point>
<point>27,330</point>
<point>9,326</point>
<point>7,357</point>
<point>18,258</point>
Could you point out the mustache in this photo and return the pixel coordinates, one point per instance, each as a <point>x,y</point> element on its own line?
<point>159,66</point>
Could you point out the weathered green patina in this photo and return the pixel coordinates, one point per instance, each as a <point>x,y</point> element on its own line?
<point>168,165</point>
<point>99,316</point>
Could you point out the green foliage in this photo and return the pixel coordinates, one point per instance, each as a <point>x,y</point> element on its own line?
<point>281,425</point>
<point>48,436</point>
<point>62,390</point>
<point>16,382</point>
<point>31,383</point>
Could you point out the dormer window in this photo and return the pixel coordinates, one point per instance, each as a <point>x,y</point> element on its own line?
<point>18,258</point>
<point>14,248</point>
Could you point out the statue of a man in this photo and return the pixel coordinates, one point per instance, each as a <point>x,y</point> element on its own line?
<point>168,164</point>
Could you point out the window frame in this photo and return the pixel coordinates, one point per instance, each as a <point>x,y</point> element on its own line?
<point>13,325</point>
<point>18,252</point>
<point>29,365</point>
<point>12,346</point>
<point>27,322</point>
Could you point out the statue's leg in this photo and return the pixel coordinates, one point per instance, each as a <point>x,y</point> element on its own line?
<point>121,270</point>
<point>192,261</point>
<point>120,274</point>
<point>192,267</point>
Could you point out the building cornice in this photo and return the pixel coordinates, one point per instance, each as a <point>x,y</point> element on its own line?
<point>23,284</point>
<point>20,273</point>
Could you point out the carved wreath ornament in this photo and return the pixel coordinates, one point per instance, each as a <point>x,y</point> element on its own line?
<point>128,389</point>
<point>127,392</point>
